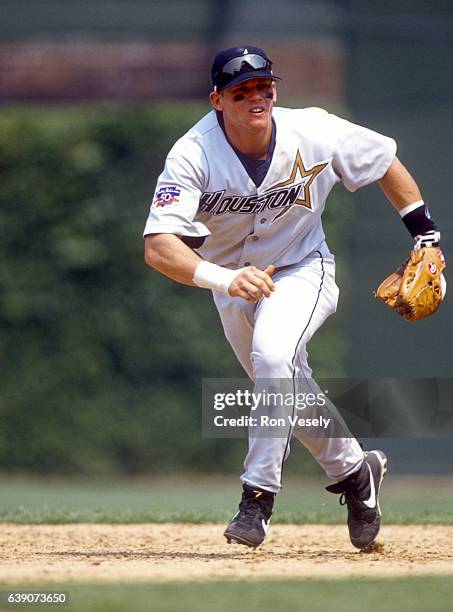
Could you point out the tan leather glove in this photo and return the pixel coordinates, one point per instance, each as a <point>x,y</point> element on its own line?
<point>417,287</point>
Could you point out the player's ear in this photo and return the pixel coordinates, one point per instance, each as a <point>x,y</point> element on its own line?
<point>274,91</point>
<point>216,100</point>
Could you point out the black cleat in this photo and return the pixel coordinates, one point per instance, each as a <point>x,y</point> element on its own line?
<point>360,492</point>
<point>249,526</point>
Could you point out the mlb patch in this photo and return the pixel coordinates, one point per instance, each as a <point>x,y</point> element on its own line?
<point>166,196</point>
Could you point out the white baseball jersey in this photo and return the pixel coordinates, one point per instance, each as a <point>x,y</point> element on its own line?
<point>205,191</point>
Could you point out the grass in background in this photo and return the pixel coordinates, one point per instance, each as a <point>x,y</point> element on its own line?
<point>194,499</point>
<point>414,594</point>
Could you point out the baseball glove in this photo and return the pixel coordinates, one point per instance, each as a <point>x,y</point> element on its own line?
<point>417,287</point>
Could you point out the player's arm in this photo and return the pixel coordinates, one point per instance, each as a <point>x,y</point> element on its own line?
<point>362,156</point>
<point>399,186</point>
<point>168,254</point>
<point>417,287</point>
<point>403,192</point>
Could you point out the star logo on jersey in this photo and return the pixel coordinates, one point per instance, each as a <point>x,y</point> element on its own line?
<point>281,196</point>
<point>303,178</point>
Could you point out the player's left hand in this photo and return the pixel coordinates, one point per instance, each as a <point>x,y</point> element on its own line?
<point>417,287</point>
<point>252,283</point>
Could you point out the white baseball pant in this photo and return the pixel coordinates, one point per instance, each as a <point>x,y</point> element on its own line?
<point>269,339</point>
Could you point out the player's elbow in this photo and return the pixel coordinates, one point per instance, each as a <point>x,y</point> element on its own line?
<point>148,259</point>
<point>151,253</point>
<point>152,259</point>
<point>157,248</point>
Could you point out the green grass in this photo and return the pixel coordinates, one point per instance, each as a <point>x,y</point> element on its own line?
<point>354,595</point>
<point>193,499</point>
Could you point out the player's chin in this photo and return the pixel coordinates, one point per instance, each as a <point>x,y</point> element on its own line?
<point>259,118</point>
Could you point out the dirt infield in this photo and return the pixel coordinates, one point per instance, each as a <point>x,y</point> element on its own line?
<point>107,553</point>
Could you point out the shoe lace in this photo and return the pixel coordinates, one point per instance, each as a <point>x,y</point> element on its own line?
<point>351,491</point>
<point>356,510</point>
<point>254,507</point>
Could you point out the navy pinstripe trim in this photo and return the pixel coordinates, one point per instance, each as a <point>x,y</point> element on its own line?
<point>293,361</point>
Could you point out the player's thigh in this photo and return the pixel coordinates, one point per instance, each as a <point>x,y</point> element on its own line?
<point>284,323</point>
<point>237,317</point>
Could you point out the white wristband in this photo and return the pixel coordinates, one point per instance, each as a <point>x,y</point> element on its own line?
<point>212,276</point>
<point>410,207</point>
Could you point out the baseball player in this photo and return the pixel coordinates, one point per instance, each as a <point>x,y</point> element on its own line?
<point>237,209</point>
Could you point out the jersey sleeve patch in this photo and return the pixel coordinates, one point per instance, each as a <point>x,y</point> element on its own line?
<point>167,196</point>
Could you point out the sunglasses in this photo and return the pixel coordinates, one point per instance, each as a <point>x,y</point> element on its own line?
<point>237,64</point>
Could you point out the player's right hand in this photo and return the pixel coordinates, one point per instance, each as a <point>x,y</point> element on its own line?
<point>252,283</point>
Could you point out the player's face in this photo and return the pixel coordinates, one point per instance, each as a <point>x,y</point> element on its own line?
<point>247,104</point>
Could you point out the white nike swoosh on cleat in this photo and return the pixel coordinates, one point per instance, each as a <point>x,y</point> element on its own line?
<point>264,525</point>
<point>371,501</point>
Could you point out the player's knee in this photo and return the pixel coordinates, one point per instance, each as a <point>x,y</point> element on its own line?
<point>272,363</point>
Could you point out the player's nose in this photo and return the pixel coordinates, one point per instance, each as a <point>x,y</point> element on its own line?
<point>255,95</point>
